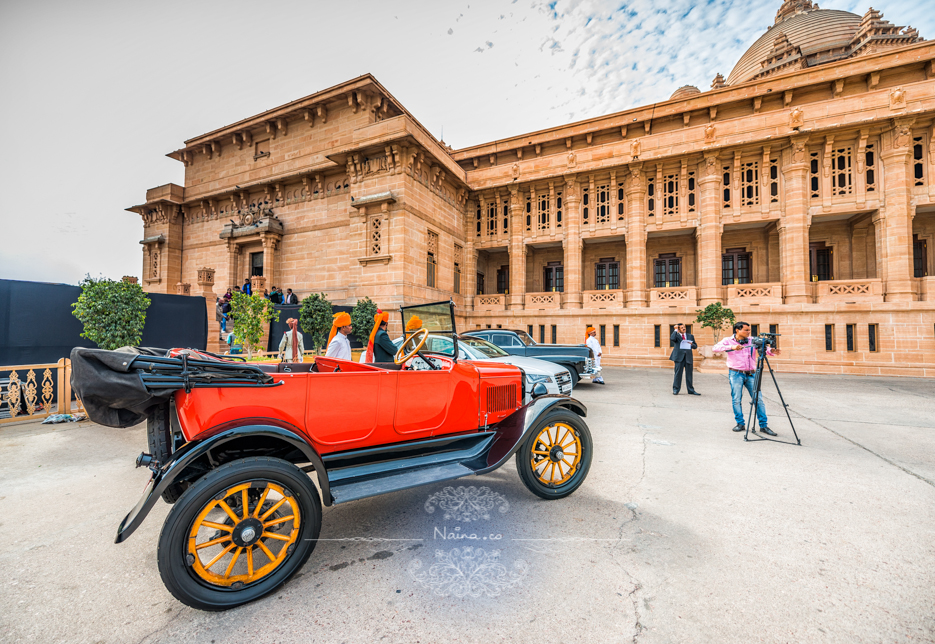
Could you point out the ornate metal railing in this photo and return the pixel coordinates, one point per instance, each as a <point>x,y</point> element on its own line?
<point>33,391</point>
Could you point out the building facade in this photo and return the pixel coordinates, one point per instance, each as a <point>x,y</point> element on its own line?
<point>798,192</point>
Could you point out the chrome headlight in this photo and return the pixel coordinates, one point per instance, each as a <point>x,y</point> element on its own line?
<point>533,379</point>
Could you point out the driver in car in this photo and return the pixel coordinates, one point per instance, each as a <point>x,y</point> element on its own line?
<point>380,348</point>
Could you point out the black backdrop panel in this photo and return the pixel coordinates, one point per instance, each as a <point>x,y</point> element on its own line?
<point>276,329</point>
<point>37,325</point>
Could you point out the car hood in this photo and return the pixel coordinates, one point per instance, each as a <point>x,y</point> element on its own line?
<point>532,365</point>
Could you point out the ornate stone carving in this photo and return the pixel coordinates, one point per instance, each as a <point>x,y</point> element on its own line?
<point>183,289</point>
<point>572,160</point>
<point>129,279</point>
<point>635,149</point>
<point>206,276</point>
<point>897,98</point>
<point>710,133</point>
<point>902,135</point>
<point>515,171</point>
<point>798,151</point>
<point>710,163</point>
<point>796,118</point>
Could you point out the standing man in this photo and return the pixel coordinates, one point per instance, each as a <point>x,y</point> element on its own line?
<point>338,344</point>
<point>595,346</point>
<point>291,297</point>
<point>275,296</point>
<point>247,289</point>
<point>741,364</point>
<point>682,345</point>
<point>292,345</point>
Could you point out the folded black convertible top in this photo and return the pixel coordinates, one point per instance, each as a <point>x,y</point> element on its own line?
<point>122,388</point>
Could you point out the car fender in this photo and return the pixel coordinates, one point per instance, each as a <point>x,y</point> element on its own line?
<point>512,430</point>
<point>168,472</point>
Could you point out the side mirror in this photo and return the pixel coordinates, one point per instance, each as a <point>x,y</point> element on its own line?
<point>539,390</point>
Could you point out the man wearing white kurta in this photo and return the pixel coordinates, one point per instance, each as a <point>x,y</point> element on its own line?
<point>338,344</point>
<point>595,347</point>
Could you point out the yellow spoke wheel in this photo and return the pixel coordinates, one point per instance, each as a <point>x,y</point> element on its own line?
<point>556,454</point>
<point>243,534</point>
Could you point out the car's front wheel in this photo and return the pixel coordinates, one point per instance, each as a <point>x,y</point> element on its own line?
<point>239,533</point>
<point>555,458</point>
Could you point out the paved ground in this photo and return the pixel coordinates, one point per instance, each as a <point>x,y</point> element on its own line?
<point>682,533</point>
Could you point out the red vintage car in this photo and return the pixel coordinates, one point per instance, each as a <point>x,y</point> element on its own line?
<point>232,445</point>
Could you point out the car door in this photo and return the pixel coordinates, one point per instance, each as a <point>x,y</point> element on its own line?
<point>422,401</point>
<point>342,407</point>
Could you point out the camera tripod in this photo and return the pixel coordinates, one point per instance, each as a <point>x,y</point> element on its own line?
<point>757,384</point>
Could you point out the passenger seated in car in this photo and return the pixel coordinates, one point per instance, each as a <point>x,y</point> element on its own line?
<point>380,348</point>
<point>338,344</point>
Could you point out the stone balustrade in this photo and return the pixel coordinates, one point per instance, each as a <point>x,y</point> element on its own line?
<point>549,300</point>
<point>865,290</point>
<point>604,299</point>
<point>674,296</point>
<point>490,302</point>
<point>766,293</point>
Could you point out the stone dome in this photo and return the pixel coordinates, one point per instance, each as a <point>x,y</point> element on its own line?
<point>684,92</point>
<point>804,36</point>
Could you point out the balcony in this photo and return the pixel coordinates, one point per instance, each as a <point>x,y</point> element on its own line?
<point>604,299</point>
<point>767,293</point>
<point>866,290</point>
<point>673,296</point>
<point>541,301</point>
<point>490,302</point>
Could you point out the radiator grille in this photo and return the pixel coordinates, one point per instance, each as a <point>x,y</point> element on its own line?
<point>501,398</point>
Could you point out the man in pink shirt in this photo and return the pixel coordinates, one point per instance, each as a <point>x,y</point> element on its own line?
<point>741,363</point>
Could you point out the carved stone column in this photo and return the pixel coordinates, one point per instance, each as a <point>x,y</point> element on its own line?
<point>270,248</point>
<point>709,233</point>
<point>637,295</point>
<point>572,244</point>
<point>517,297</point>
<point>896,235</point>
<point>206,284</point>
<point>469,274</point>
<point>233,263</point>
<point>793,228</point>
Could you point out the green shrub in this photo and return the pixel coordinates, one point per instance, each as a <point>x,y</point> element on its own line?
<point>362,319</point>
<point>251,314</point>
<point>315,319</point>
<point>113,313</point>
<point>715,317</point>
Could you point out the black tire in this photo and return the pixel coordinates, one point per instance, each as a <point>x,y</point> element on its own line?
<point>565,420</point>
<point>159,440</point>
<point>177,566</point>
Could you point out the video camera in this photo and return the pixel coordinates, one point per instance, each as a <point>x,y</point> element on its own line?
<point>764,340</point>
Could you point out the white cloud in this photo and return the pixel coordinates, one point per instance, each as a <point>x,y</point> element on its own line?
<point>95,93</point>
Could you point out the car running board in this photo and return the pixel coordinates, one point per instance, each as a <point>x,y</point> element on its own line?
<point>405,466</point>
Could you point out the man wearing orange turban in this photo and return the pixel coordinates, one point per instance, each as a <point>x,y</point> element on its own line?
<point>380,348</point>
<point>413,325</point>
<point>338,344</point>
<point>595,347</point>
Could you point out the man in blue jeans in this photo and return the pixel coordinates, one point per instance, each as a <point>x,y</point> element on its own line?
<point>741,363</point>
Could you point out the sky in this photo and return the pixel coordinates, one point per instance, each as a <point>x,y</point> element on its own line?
<point>93,94</point>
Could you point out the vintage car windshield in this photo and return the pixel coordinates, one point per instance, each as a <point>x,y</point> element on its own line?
<point>482,347</point>
<point>436,318</point>
<point>526,338</point>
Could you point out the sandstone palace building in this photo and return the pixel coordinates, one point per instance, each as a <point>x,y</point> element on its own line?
<point>799,191</point>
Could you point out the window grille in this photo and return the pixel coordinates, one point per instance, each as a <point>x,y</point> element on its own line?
<point>656,332</point>
<point>691,192</point>
<point>506,216</point>
<point>725,182</point>
<point>870,159</point>
<point>851,332</point>
<point>616,335</point>
<point>492,219</point>
<point>918,167</point>
<point>459,256</point>
<point>431,259</point>
<point>670,194</point>
<point>651,196</point>
<point>842,175</point>
<point>602,204</point>
<point>750,183</point>
<point>541,334</point>
<point>814,176</point>
<point>829,337</point>
<point>376,235</point>
<point>544,214</point>
<point>735,267</point>
<point>558,209</point>
<point>667,271</point>
<point>607,275</point>
<point>603,329</point>
<point>585,204</point>
<point>774,180</point>
<point>478,220</point>
<point>774,328</point>
<point>873,333</point>
<point>620,201</point>
<point>554,334</point>
<point>528,213</point>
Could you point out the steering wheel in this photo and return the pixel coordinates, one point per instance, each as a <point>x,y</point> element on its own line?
<point>417,340</point>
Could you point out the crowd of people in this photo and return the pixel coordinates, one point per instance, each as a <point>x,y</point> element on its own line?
<point>276,296</point>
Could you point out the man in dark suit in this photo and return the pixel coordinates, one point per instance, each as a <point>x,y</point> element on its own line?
<point>291,297</point>
<point>682,345</point>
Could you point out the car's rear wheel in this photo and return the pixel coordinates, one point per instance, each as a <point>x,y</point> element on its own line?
<point>555,458</point>
<point>239,533</point>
